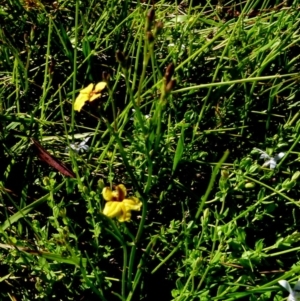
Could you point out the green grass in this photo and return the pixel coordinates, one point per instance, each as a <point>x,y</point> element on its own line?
<point>215,223</point>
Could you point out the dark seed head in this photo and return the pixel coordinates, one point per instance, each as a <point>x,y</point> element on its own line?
<point>150,37</point>
<point>151,15</point>
<point>169,72</point>
<point>170,86</point>
<point>159,25</point>
<point>120,57</point>
<point>105,76</point>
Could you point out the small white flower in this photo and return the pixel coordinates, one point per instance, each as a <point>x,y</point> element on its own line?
<point>295,293</point>
<point>81,147</point>
<point>272,161</point>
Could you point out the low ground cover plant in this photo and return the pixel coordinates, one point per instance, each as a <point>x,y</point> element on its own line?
<point>149,150</point>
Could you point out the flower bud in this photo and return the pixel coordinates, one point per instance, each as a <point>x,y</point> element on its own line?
<point>249,185</point>
<point>85,190</point>
<point>224,174</point>
<point>46,181</point>
<point>63,212</point>
<point>296,176</point>
<point>205,216</point>
<point>100,184</point>
<point>288,184</point>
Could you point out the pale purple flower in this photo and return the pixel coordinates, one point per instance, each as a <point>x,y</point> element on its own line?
<point>294,293</point>
<point>81,147</point>
<point>271,161</point>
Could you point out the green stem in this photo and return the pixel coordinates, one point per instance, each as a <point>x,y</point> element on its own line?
<point>74,67</point>
<point>211,184</point>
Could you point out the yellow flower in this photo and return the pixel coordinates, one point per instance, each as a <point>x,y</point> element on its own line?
<point>88,94</point>
<point>118,205</point>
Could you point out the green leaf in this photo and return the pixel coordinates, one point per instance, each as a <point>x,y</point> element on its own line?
<point>179,150</point>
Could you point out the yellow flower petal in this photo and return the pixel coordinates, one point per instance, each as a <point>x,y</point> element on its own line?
<point>83,96</point>
<point>100,86</point>
<point>116,195</point>
<point>122,192</point>
<point>113,209</point>
<point>80,101</point>
<point>109,195</point>
<point>87,90</point>
<point>94,96</point>
<point>132,204</point>
<point>126,214</point>
<point>118,210</point>
<point>117,206</point>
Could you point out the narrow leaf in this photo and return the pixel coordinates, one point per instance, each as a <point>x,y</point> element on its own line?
<point>49,159</point>
<point>179,150</point>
